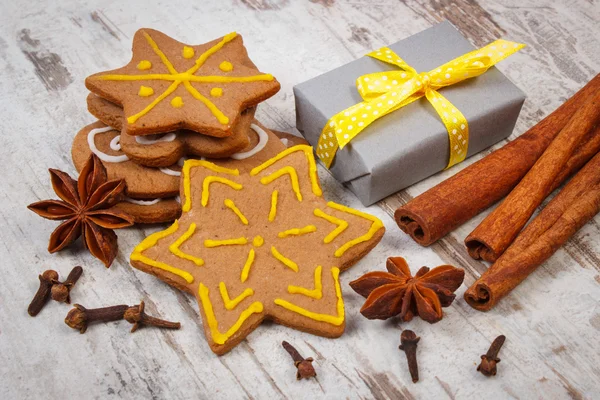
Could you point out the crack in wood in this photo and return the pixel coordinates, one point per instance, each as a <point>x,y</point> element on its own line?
<point>96,17</point>
<point>382,388</point>
<point>446,388</point>
<point>472,20</point>
<point>264,5</point>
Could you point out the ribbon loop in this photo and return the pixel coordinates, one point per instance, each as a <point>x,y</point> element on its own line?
<point>385,92</point>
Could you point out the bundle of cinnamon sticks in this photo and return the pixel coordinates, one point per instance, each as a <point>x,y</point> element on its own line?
<point>526,171</point>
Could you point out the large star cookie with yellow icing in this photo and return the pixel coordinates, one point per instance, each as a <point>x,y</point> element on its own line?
<point>168,85</point>
<point>263,245</point>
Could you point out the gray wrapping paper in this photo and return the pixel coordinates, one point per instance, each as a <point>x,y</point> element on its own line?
<point>409,144</point>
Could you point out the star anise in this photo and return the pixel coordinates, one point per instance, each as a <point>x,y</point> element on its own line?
<point>85,206</point>
<point>397,292</point>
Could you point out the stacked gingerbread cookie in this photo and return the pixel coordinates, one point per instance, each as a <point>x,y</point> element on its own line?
<point>173,102</point>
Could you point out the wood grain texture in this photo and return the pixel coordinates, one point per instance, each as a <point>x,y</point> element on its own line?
<point>552,321</point>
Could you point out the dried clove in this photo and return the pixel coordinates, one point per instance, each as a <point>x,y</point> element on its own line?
<point>61,291</point>
<point>137,317</point>
<point>489,360</point>
<point>304,365</point>
<point>80,317</point>
<point>47,279</point>
<point>408,343</point>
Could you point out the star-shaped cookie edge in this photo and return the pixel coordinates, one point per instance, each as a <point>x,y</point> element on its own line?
<point>168,118</point>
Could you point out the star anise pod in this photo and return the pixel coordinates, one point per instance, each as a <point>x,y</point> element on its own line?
<point>397,292</point>
<point>85,206</point>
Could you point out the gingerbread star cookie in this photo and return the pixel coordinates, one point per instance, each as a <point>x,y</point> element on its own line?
<point>169,85</point>
<point>260,245</point>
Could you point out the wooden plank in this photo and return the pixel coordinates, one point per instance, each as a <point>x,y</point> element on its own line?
<point>46,51</point>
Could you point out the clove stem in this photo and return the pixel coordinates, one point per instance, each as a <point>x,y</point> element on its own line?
<point>408,343</point>
<point>304,365</point>
<point>137,317</point>
<point>41,297</point>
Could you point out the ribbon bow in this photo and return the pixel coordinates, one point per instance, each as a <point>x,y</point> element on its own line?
<point>384,92</point>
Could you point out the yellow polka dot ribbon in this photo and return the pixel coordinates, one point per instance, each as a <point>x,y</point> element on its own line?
<point>384,92</point>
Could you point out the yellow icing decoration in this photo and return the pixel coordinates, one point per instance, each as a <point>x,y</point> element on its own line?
<point>375,226</point>
<point>226,66</point>
<point>189,164</point>
<point>334,320</point>
<point>217,336</point>
<point>231,304</point>
<point>309,157</point>
<point>231,205</point>
<point>258,241</point>
<point>286,261</point>
<point>315,293</point>
<point>297,231</point>
<point>213,109</point>
<point>150,106</point>
<point>160,54</point>
<point>151,241</point>
<point>216,92</point>
<point>210,179</point>
<point>177,102</point>
<point>283,171</point>
<point>145,91</point>
<point>144,65</point>
<point>247,265</point>
<point>184,78</point>
<point>227,242</point>
<point>174,248</point>
<point>187,52</point>
<point>341,225</point>
<point>273,211</point>
<point>202,59</point>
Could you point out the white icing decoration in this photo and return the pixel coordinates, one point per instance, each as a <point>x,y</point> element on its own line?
<point>115,144</point>
<point>169,171</point>
<point>149,139</point>
<point>141,202</point>
<point>178,199</point>
<point>284,141</point>
<point>263,138</point>
<point>103,156</point>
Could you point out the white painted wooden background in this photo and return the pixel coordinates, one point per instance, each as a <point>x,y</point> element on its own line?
<point>47,48</point>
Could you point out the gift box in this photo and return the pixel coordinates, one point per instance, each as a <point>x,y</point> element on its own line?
<point>410,143</point>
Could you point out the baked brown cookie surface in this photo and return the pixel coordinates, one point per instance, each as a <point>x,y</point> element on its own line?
<point>260,243</point>
<point>151,211</point>
<point>162,150</point>
<point>142,182</point>
<point>168,85</point>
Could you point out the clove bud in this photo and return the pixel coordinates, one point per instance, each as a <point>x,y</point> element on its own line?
<point>304,365</point>
<point>61,291</point>
<point>47,279</point>
<point>408,343</point>
<point>489,360</point>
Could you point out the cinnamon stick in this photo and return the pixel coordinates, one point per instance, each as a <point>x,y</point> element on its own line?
<point>433,214</point>
<point>572,207</point>
<point>498,230</point>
